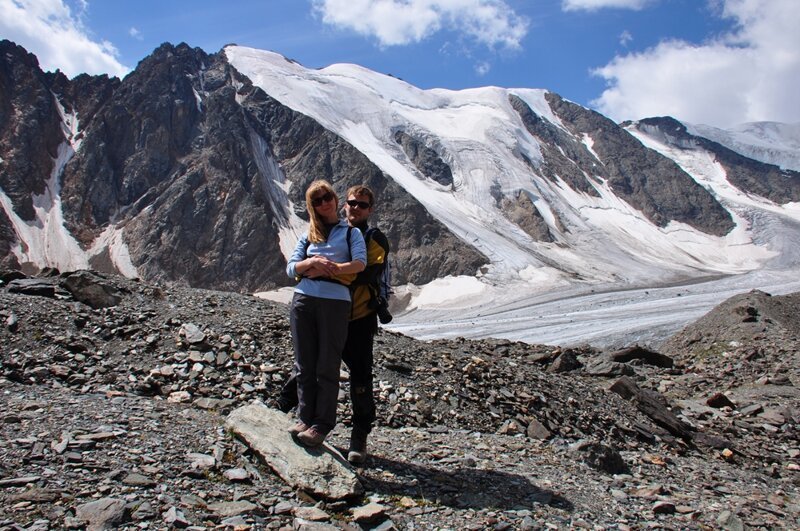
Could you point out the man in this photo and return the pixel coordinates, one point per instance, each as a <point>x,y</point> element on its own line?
<point>369,293</point>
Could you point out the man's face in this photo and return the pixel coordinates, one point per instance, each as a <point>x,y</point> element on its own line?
<point>356,213</point>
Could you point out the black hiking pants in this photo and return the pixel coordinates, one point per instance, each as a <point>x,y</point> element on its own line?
<point>357,355</point>
<point>319,330</point>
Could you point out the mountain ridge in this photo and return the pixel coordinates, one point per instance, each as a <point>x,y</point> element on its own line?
<point>192,169</point>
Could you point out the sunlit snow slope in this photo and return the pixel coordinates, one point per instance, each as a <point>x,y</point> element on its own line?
<point>582,287</point>
<point>770,142</point>
<point>478,133</point>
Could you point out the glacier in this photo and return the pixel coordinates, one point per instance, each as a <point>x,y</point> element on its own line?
<point>614,278</point>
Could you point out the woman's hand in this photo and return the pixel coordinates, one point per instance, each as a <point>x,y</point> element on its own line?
<point>317,266</point>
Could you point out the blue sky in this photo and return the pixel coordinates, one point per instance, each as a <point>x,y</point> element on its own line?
<point>718,62</point>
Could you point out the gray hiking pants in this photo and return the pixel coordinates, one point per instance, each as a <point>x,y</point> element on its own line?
<point>319,331</point>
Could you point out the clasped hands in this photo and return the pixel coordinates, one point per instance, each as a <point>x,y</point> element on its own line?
<point>319,266</point>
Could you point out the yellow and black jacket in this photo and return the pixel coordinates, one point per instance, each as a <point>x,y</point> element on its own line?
<point>373,281</point>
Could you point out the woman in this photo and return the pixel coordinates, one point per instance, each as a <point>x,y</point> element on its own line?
<point>326,260</point>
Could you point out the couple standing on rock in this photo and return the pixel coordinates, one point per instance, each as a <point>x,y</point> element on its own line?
<point>343,287</point>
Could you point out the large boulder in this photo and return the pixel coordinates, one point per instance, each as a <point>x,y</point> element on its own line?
<point>321,471</point>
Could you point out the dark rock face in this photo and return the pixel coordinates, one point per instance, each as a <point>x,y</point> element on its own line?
<point>30,128</point>
<point>752,176</point>
<point>427,161</point>
<point>648,181</point>
<point>422,248</point>
<point>199,171</point>
<point>192,162</point>
<point>653,184</point>
<point>524,213</point>
<point>564,157</point>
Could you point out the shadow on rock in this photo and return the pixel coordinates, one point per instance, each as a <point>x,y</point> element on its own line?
<point>460,488</point>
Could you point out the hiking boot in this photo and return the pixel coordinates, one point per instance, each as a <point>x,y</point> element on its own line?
<point>298,428</point>
<point>357,454</point>
<point>311,437</point>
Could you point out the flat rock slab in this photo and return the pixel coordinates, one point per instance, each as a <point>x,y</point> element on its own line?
<point>321,471</point>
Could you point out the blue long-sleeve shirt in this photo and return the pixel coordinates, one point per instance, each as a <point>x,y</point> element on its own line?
<point>335,249</point>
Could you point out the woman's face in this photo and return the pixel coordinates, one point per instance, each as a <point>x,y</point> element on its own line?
<point>325,205</point>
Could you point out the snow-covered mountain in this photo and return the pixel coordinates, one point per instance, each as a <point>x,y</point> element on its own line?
<point>482,137</point>
<point>769,142</point>
<point>192,169</point>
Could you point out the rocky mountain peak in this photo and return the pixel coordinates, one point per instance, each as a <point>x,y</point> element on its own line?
<point>187,171</point>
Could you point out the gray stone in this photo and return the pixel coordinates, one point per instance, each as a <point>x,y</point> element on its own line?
<point>314,514</point>
<point>566,362</point>
<point>33,286</point>
<point>236,522</point>
<point>751,410</point>
<point>604,367</point>
<point>322,471</point>
<point>730,522</point>
<point>18,482</point>
<point>236,475</point>
<point>307,525</point>
<point>227,509</point>
<point>138,480</point>
<point>368,513</point>
<point>92,289</point>
<point>193,334</point>
<point>600,457</point>
<point>643,354</point>
<point>283,507</point>
<point>537,430</point>
<point>201,461</point>
<point>105,513</point>
<point>174,517</point>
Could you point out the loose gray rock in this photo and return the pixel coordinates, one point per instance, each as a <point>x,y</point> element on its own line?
<point>91,289</point>
<point>105,513</point>
<point>321,471</point>
<point>537,430</point>
<point>235,508</point>
<point>369,513</point>
<point>600,457</point>
<point>604,367</point>
<point>643,354</point>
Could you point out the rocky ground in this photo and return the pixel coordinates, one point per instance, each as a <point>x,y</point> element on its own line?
<point>115,394</point>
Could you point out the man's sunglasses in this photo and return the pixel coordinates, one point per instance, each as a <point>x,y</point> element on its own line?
<point>317,201</point>
<point>363,205</point>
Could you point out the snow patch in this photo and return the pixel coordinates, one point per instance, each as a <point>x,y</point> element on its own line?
<point>769,142</point>
<point>448,292</point>
<point>45,241</point>
<point>111,239</point>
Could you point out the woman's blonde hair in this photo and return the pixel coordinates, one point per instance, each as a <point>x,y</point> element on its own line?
<point>316,231</point>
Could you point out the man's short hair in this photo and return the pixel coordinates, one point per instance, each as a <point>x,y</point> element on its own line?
<point>361,189</point>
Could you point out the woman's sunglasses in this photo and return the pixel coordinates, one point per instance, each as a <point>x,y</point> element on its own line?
<point>317,201</point>
<point>363,205</point>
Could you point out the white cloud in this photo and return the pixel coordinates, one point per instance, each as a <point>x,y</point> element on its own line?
<point>50,30</point>
<point>625,38</point>
<point>483,68</point>
<point>135,33</point>
<point>399,22</point>
<point>594,5</point>
<point>750,74</point>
